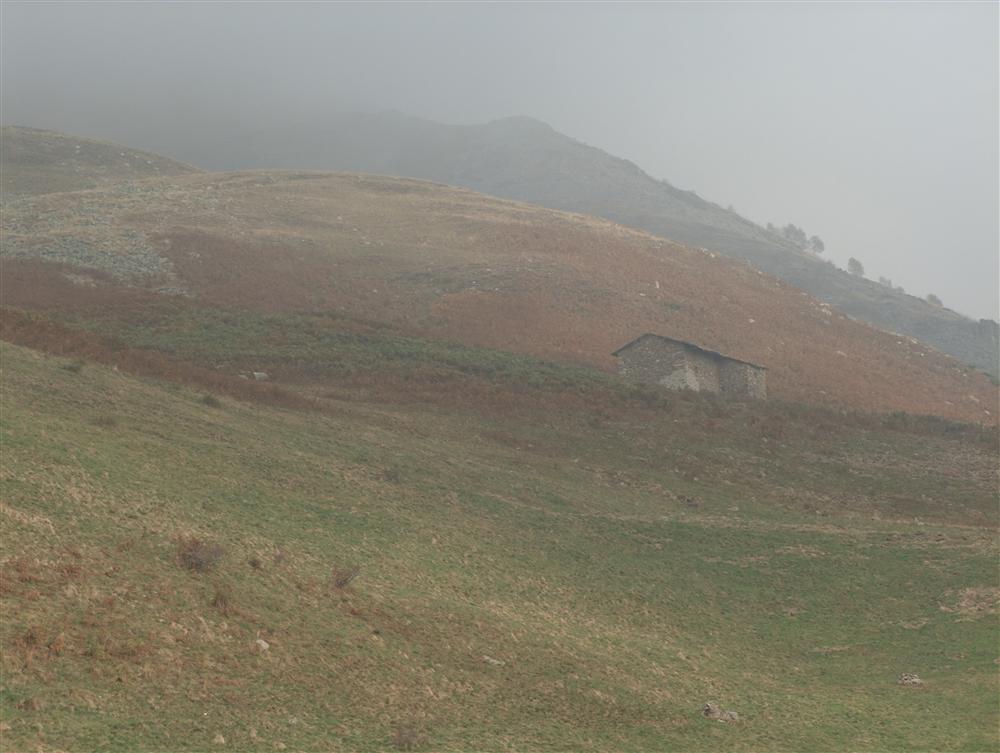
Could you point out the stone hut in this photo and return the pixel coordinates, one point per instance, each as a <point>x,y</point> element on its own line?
<point>654,359</point>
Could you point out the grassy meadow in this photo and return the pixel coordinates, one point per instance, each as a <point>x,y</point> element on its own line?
<point>545,560</point>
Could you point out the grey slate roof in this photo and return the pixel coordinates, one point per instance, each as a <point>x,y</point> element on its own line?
<point>692,346</point>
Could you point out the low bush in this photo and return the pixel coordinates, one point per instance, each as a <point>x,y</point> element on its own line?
<point>211,401</point>
<point>342,577</point>
<point>407,736</point>
<point>74,367</point>
<point>198,555</point>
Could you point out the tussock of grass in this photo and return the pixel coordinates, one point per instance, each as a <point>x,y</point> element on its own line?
<point>222,599</point>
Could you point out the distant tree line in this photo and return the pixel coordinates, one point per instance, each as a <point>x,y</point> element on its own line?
<point>888,283</point>
<point>930,297</point>
<point>814,244</point>
<point>796,235</point>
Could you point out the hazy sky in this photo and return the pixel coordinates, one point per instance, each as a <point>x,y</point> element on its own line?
<point>873,125</point>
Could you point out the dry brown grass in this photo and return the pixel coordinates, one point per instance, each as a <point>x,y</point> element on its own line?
<point>456,265</point>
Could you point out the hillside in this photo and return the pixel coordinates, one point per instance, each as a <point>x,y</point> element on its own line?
<point>524,159</point>
<point>441,522</point>
<point>160,262</point>
<point>36,161</point>
<point>524,557</point>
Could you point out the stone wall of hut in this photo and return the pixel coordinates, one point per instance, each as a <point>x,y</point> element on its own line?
<point>653,361</point>
<point>743,380</point>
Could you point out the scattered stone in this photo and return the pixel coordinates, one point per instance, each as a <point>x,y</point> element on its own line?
<point>219,740</point>
<point>494,662</point>
<point>974,602</point>
<point>175,290</point>
<point>712,711</point>
<point>909,679</point>
<point>82,280</point>
<point>260,376</point>
<point>262,645</point>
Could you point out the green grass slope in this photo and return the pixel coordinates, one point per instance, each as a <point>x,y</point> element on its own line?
<point>550,564</point>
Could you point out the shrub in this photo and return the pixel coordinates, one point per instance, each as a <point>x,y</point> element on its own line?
<point>197,555</point>
<point>211,401</point>
<point>342,577</point>
<point>407,736</point>
<point>391,475</point>
<point>73,367</point>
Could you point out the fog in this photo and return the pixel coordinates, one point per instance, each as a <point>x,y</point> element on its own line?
<point>874,126</point>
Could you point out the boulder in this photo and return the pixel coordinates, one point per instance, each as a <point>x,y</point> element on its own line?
<point>713,711</point>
